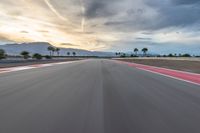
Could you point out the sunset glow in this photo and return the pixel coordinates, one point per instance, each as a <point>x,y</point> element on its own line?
<point>101,25</point>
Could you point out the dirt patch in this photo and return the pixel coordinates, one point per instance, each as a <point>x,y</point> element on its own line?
<point>183,65</point>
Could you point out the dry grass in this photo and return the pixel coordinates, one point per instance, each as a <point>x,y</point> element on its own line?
<point>183,65</point>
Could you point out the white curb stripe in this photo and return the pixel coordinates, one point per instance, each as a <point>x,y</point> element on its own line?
<point>20,68</point>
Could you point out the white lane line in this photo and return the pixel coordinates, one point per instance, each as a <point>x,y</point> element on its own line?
<point>185,80</point>
<point>169,69</point>
<point>160,68</point>
<point>20,68</point>
<point>169,76</point>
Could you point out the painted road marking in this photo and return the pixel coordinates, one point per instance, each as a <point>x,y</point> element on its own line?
<point>180,75</point>
<point>20,68</point>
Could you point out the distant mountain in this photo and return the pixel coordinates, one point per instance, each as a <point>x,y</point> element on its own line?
<point>41,47</point>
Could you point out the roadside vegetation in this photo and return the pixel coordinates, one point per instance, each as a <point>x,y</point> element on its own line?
<point>47,57</point>
<point>55,53</point>
<point>25,54</point>
<point>2,54</point>
<point>74,53</point>
<point>144,52</point>
<point>37,56</point>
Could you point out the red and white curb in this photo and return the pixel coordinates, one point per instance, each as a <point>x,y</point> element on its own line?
<point>20,68</point>
<point>180,75</point>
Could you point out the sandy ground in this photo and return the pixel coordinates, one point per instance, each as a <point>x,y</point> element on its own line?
<point>15,63</point>
<point>183,65</point>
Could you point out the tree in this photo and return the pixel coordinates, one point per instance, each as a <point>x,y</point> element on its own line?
<point>51,49</point>
<point>170,55</point>
<point>2,54</point>
<point>25,54</point>
<point>136,50</point>
<point>37,56</point>
<point>58,51</point>
<point>68,53</point>
<point>117,53</point>
<point>74,53</point>
<point>145,50</point>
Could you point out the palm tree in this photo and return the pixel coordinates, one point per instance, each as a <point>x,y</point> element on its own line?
<point>136,50</point>
<point>25,54</point>
<point>53,50</point>
<point>58,51</point>
<point>74,53</point>
<point>50,49</point>
<point>145,50</point>
<point>68,53</point>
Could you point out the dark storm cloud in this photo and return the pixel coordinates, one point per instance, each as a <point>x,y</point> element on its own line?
<point>100,8</point>
<point>169,13</point>
<point>185,1</point>
<point>175,14</point>
<point>180,16</point>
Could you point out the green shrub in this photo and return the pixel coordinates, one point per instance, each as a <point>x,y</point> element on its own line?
<point>2,54</point>
<point>47,57</point>
<point>186,55</point>
<point>25,54</point>
<point>37,56</point>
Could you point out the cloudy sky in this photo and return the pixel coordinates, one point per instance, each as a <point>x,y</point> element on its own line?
<point>106,25</point>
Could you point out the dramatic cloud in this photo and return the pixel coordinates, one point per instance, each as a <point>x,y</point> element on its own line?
<point>111,25</point>
<point>186,1</point>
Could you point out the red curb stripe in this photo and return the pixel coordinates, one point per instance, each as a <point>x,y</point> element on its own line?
<point>19,68</point>
<point>186,76</point>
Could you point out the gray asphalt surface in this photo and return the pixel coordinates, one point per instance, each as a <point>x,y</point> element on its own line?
<point>96,96</point>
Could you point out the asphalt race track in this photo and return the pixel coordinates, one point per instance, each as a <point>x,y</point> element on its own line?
<point>96,96</point>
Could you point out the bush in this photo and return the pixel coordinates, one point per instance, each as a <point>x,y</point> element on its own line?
<point>132,55</point>
<point>123,55</point>
<point>170,55</point>
<point>2,54</point>
<point>186,55</point>
<point>164,55</point>
<point>37,56</point>
<point>47,57</point>
<point>25,54</point>
<point>158,56</point>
